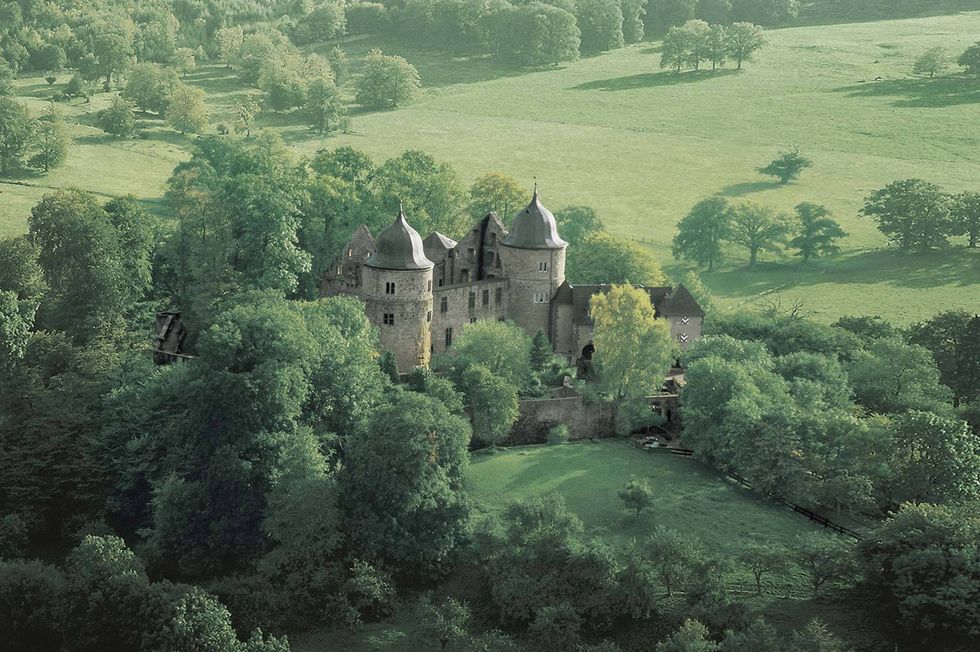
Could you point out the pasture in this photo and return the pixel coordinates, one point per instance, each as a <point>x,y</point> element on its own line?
<point>642,145</point>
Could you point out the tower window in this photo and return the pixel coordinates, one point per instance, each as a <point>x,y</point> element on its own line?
<point>444,305</point>
<point>429,286</point>
<point>472,300</point>
<point>389,319</point>
<point>472,320</point>
<point>389,287</point>
<point>350,252</point>
<point>540,297</point>
<point>428,316</point>
<point>464,276</point>
<point>441,281</point>
<point>543,266</point>
<point>449,337</point>
<point>498,295</point>
<point>486,297</point>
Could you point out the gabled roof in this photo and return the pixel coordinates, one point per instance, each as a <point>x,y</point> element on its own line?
<point>534,228</point>
<point>436,240</point>
<point>681,303</point>
<point>399,247</point>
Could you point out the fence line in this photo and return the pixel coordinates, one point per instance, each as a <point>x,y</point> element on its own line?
<point>799,509</point>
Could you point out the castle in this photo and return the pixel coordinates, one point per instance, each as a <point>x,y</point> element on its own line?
<point>422,293</point>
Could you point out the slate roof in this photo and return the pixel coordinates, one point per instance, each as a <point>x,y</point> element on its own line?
<point>399,247</point>
<point>681,303</point>
<point>665,303</point>
<point>534,228</point>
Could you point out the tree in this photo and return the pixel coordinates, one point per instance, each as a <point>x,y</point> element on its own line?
<point>17,130</point>
<point>386,81</point>
<point>184,61</point>
<point>576,223</point>
<point>326,21</point>
<point>702,231</point>
<point>636,495</point>
<point>401,485</point>
<point>229,40</point>
<point>601,25</point>
<point>922,563</point>
<point>633,348</point>
<point>31,596</point>
<point>541,352</point>
<point>118,119</point>
<point>762,558</point>
<point>186,112</point>
<point>499,193</point>
<point>446,622</point>
<point>787,166</point>
<point>248,108</point>
<point>501,347</point>
<point>677,48</point>
<point>339,63</point>
<point>758,228</point>
<point>15,327</point>
<point>426,189</point>
<point>715,12</point>
<point>50,57</point>
<point>699,291</point>
<point>633,13</point>
<point>604,258</point>
<point>692,636</point>
<point>817,637</point>
<point>556,628</point>
<point>970,59</point>
<point>716,47</point>
<point>892,376</point>
<point>83,261</point>
<point>816,232</point>
<point>111,47</point>
<point>966,216</point>
<point>493,402</point>
<point>150,87</point>
<point>952,337</point>
<point>324,106</point>
<point>53,141</point>
<point>824,558</point>
<point>662,14</point>
<point>744,39</point>
<point>389,367</point>
<point>932,61</point>
<point>7,77</point>
<point>758,636</point>
<point>913,214</point>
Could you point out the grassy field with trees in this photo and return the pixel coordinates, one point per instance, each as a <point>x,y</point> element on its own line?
<point>669,140</point>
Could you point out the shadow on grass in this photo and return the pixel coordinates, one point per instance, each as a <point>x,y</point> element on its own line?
<point>956,266</point>
<point>920,92</point>
<point>748,187</point>
<point>652,80</point>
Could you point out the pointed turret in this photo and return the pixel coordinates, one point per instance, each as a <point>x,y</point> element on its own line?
<point>534,228</point>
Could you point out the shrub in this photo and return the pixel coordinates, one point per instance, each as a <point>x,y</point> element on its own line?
<point>558,434</point>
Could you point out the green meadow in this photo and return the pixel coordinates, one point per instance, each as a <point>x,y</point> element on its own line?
<point>642,145</point>
<point>688,497</point>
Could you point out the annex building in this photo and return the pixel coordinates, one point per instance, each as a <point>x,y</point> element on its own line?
<point>421,293</point>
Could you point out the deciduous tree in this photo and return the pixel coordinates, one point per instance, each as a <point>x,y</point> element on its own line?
<point>966,216</point>
<point>604,258</point>
<point>744,40</point>
<point>502,347</point>
<point>17,129</point>
<point>932,61</point>
<point>386,81</point>
<point>701,233</point>
<point>787,166</point>
<point>576,223</point>
<point>633,348</point>
<point>970,59</point>
<point>636,495</point>
<point>497,192</point>
<point>817,232</point>
<point>118,119</point>
<point>53,141</point>
<point>758,228</point>
<point>493,402</point>
<point>186,111</point>
<point>913,214</point>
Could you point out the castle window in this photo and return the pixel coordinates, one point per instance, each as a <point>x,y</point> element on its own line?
<point>486,297</point>
<point>543,266</point>
<point>429,286</point>
<point>493,238</point>
<point>472,320</point>
<point>472,300</point>
<point>489,257</point>
<point>428,316</point>
<point>444,305</point>
<point>350,252</point>
<point>540,297</point>
<point>449,337</point>
<point>471,251</point>
<point>339,271</point>
<point>441,281</point>
<point>389,319</point>
<point>464,276</point>
<point>389,287</point>
<point>501,319</point>
<point>498,295</point>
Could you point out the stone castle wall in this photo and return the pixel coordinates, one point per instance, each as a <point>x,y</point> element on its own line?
<point>410,307</point>
<point>458,311</point>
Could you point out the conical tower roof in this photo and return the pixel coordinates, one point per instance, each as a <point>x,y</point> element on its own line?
<point>399,247</point>
<point>534,228</point>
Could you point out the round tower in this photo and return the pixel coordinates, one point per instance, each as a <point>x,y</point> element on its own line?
<point>533,259</point>
<point>397,292</point>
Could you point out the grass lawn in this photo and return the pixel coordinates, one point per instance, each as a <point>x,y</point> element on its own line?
<point>642,145</point>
